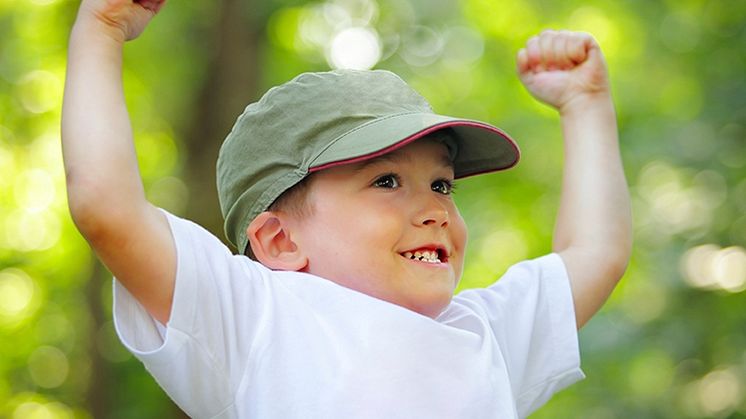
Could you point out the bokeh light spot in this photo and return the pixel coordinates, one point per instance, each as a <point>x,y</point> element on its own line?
<point>336,15</point>
<point>16,293</point>
<point>37,410</point>
<point>357,48</point>
<point>462,46</point>
<point>48,367</point>
<point>679,201</point>
<point>40,91</point>
<point>34,190</point>
<point>421,46</point>
<point>720,392</point>
<point>710,267</point>
<point>314,31</point>
<point>25,231</point>
<point>361,12</point>
<point>55,328</point>
<point>729,269</point>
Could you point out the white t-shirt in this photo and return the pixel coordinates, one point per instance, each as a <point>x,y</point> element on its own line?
<point>247,342</point>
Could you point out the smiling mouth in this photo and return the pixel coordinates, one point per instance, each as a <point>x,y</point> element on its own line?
<point>427,255</point>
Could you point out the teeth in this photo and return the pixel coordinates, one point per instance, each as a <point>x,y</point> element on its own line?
<point>423,256</point>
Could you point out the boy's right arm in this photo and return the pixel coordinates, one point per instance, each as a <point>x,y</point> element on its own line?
<point>593,234</point>
<point>105,193</point>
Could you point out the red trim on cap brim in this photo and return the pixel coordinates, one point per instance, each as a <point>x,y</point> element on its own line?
<point>421,134</point>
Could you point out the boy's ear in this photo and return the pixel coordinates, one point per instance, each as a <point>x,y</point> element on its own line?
<point>272,244</point>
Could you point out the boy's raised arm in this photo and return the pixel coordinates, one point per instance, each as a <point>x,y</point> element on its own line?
<point>105,192</point>
<point>593,232</point>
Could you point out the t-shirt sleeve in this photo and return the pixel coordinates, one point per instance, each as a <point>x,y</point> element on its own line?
<point>198,359</point>
<point>531,314</point>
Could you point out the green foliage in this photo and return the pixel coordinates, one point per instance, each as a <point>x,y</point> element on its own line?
<point>670,343</point>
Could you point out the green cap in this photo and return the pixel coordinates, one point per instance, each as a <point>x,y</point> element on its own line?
<point>320,120</point>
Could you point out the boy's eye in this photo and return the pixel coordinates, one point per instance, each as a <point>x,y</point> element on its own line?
<point>388,181</point>
<point>442,186</point>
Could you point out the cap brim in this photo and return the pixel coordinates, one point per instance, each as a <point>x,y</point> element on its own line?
<point>482,148</point>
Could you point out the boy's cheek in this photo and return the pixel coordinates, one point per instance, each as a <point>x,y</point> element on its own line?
<point>460,232</point>
<point>461,238</point>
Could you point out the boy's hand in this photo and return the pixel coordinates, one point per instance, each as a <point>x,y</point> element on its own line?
<point>557,67</point>
<point>123,20</point>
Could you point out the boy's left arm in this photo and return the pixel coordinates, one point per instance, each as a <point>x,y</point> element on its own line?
<point>593,233</point>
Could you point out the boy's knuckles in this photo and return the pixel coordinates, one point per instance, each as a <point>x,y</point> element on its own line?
<point>547,52</point>
<point>532,57</point>
<point>576,49</point>
<point>559,47</point>
<point>556,49</point>
<point>532,44</point>
<point>522,60</point>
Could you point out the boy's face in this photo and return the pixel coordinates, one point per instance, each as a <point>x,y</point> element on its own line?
<point>368,219</point>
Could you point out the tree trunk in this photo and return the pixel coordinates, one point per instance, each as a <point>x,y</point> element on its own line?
<point>230,84</point>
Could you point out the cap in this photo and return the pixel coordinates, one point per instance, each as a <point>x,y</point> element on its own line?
<point>320,120</point>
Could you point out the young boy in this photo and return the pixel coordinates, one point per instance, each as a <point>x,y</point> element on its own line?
<point>338,184</point>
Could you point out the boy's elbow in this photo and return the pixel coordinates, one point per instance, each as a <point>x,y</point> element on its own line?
<point>95,207</point>
<point>621,253</point>
<point>610,256</point>
<point>616,266</point>
<point>606,264</point>
<point>613,259</point>
<point>85,202</point>
<point>612,262</point>
<point>594,273</point>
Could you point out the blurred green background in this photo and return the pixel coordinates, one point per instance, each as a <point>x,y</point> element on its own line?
<point>670,343</point>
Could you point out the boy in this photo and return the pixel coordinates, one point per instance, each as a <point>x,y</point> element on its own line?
<point>338,184</point>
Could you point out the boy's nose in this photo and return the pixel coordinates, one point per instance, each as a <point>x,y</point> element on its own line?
<point>433,214</point>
